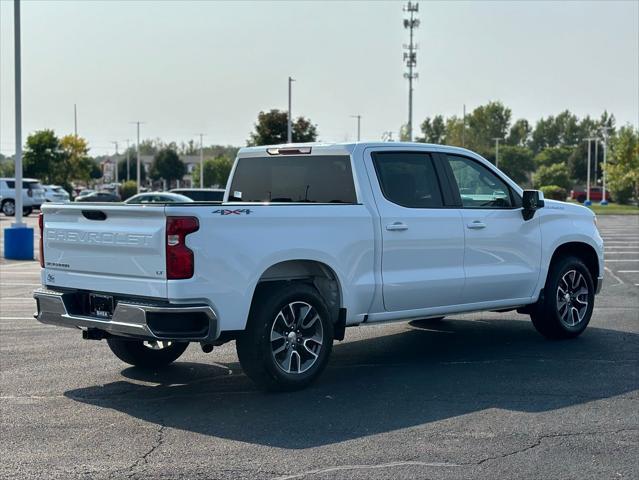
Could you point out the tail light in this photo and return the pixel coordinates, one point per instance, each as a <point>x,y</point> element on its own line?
<point>41,245</point>
<point>179,258</point>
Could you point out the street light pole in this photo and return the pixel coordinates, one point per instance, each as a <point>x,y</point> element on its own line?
<point>289,130</point>
<point>605,150</point>
<point>497,140</point>
<point>116,160</point>
<point>201,160</point>
<point>137,151</point>
<point>359,124</point>
<point>18,102</point>
<point>128,166</point>
<point>588,202</point>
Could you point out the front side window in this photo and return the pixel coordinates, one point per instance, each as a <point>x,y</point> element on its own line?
<point>308,179</point>
<point>408,179</point>
<point>478,186</point>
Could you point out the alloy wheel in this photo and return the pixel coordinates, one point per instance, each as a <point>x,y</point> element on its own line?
<point>297,335</point>
<point>572,298</point>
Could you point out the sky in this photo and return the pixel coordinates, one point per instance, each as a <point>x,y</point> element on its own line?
<point>185,68</point>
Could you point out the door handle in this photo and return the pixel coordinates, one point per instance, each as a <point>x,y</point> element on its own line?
<point>476,225</point>
<point>396,227</point>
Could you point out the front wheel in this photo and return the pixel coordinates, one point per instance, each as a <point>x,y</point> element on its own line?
<point>568,301</point>
<point>146,354</point>
<point>288,338</point>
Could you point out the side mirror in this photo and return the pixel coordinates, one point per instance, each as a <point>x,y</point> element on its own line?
<point>532,201</point>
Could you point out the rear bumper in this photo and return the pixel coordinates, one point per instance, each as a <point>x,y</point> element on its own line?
<point>131,319</point>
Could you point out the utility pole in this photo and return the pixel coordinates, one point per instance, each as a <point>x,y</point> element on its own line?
<point>201,160</point>
<point>464,127</point>
<point>289,130</point>
<point>410,59</point>
<point>128,154</point>
<point>497,140</point>
<point>116,160</point>
<point>359,123</point>
<point>605,149</point>
<point>137,151</point>
<point>75,120</point>
<point>588,202</point>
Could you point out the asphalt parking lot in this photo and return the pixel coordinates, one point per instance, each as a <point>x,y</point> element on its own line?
<point>474,396</point>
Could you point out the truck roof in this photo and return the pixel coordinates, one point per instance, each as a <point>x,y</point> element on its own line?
<point>344,148</point>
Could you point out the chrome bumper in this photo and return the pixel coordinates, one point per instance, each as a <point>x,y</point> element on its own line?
<point>129,319</point>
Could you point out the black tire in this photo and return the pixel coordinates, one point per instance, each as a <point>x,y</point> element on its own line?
<point>134,352</point>
<point>267,326</point>
<point>9,208</point>
<point>26,211</point>
<point>548,316</point>
<point>581,198</point>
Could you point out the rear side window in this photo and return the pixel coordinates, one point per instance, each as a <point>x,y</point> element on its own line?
<point>312,179</point>
<point>27,185</point>
<point>408,179</point>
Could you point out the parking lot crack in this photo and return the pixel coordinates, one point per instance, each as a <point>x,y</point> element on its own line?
<point>143,460</point>
<point>542,438</point>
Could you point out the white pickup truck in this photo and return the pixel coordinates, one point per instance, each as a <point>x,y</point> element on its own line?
<point>311,239</point>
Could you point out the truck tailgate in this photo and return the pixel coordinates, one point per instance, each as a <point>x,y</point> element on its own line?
<point>106,248</point>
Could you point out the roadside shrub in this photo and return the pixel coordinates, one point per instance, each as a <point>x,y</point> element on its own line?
<point>128,189</point>
<point>554,192</point>
<point>553,175</point>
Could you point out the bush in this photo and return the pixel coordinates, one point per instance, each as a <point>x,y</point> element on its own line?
<point>128,189</point>
<point>554,192</point>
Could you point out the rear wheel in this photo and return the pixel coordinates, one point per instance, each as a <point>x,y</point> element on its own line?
<point>26,211</point>
<point>288,338</point>
<point>147,354</point>
<point>581,198</point>
<point>9,208</point>
<point>568,301</point>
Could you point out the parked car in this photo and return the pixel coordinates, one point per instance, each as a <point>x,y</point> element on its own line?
<point>32,195</point>
<point>98,197</point>
<point>84,193</point>
<point>158,197</point>
<point>314,239</point>
<point>55,193</point>
<point>201,194</point>
<point>596,195</point>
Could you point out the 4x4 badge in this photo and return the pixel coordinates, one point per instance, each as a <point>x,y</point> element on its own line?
<point>228,211</point>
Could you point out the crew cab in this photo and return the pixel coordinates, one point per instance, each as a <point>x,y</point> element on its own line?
<point>311,239</point>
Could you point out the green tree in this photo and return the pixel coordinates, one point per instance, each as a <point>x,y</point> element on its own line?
<point>167,166</point>
<point>553,155</point>
<point>455,132</point>
<point>519,134</point>
<point>516,162</point>
<point>44,158</point>
<point>128,189</point>
<point>133,169</point>
<point>77,163</point>
<point>556,174</point>
<point>216,171</point>
<point>434,130</point>
<point>622,170</point>
<point>485,123</point>
<point>272,127</point>
<point>7,168</point>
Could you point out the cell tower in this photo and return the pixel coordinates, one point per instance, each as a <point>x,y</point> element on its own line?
<point>410,59</point>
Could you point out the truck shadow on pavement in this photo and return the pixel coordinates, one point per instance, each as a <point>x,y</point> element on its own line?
<point>423,373</point>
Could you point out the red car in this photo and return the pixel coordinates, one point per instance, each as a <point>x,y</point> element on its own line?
<point>596,195</point>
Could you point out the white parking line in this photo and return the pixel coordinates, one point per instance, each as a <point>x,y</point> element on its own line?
<point>627,271</point>
<point>24,284</point>
<point>620,260</point>
<point>619,280</point>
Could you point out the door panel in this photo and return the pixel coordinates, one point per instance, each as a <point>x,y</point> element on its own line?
<point>502,256</point>
<point>422,242</point>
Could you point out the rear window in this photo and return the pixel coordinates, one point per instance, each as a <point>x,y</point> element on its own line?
<point>202,195</point>
<point>308,179</point>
